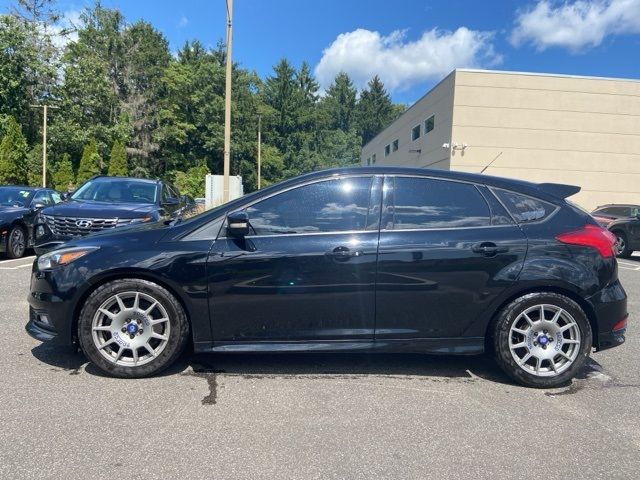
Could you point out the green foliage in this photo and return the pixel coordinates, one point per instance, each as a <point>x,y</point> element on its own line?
<point>34,166</point>
<point>89,163</point>
<point>118,84</point>
<point>191,182</point>
<point>13,154</point>
<point>63,177</point>
<point>118,165</point>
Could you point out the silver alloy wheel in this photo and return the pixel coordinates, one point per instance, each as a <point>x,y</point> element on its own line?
<point>619,246</point>
<point>17,242</point>
<point>544,340</point>
<point>130,329</point>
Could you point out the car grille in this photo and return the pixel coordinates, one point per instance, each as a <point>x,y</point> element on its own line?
<point>79,226</point>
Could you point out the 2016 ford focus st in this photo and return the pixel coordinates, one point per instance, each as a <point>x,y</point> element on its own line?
<point>364,259</point>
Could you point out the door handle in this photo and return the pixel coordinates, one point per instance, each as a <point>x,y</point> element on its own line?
<point>488,249</point>
<point>343,253</point>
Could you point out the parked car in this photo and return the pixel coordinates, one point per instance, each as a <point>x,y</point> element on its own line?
<point>605,214</point>
<point>624,222</point>
<point>190,208</point>
<point>18,209</point>
<point>362,259</point>
<point>104,203</point>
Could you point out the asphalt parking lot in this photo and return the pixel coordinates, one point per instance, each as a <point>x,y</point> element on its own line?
<point>313,416</point>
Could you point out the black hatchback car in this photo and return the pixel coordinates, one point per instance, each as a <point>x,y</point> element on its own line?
<point>103,203</point>
<point>362,259</point>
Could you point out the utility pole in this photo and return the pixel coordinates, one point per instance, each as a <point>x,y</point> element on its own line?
<point>44,107</point>
<point>227,105</point>
<point>259,147</point>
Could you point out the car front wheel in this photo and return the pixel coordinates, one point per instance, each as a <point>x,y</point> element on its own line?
<point>621,247</point>
<point>542,339</point>
<point>16,242</point>
<point>132,328</point>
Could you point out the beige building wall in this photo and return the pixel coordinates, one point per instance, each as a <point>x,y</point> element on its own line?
<point>547,128</point>
<point>536,127</point>
<point>426,151</point>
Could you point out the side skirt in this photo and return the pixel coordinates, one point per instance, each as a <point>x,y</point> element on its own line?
<point>433,346</point>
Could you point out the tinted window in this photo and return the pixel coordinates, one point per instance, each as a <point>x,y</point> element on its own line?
<point>329,206</point>
<point>499,216</point>
<point>15,196</point>
<point>524,208</point>
<point>430,203</point>
<point>117,191</point>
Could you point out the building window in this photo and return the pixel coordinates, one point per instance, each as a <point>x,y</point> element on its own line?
<point>394,145</point>
<point>369,161</point>
<point>373,159</point>
<point>387,150</point>
<point>429,123</point>
<point>415,133</point>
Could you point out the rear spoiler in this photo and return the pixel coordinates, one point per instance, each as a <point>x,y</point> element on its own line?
<point>559,189</point>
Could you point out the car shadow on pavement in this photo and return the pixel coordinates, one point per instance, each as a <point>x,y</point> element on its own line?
<point>440,368</point>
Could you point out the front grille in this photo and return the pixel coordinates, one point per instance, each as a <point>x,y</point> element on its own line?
<point>79,226</point>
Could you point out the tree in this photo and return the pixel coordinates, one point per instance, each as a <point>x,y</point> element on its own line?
<point>375,110</point>
<point>118,165</point>
<point>34,166</point>
<point>13,154</point>
<point>63,177</point>
<point>191,182</point>
<point>89,163</point>
<point>339,103</point>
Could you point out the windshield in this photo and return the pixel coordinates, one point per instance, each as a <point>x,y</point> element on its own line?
<point>117,190</point>
<point>15,197</point>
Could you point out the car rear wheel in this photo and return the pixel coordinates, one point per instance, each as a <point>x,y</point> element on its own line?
<point>621,247</point>
<point>542,339</point>
<point>132,328</point>
<point>16,242</point>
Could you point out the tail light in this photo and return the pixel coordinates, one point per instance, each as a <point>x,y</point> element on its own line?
<point>621,325</point>
<point>591,236</point>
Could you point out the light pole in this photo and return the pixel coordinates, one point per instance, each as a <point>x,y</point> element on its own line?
<point>227,105</point>
<point>259,148</point>
<point>44,107</point>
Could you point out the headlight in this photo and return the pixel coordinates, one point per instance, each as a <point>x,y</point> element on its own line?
<point>64,256</point>
<point>145,219</point>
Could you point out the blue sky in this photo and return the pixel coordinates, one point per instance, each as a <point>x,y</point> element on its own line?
<point>410,44</point>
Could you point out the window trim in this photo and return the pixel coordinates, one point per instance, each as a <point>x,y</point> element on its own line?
<point>419,127</point>
<point>292,187</point>
<point>387,150</point>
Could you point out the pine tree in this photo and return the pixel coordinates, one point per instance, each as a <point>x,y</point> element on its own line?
<point>118,165</point>
<point>340,103</point>
<point>34,166</point>
<point>13,154</point>
<point>375,110</point>
<point>63,177</point>
<point>89,163</point>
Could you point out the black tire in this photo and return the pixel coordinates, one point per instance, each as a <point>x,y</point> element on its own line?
<point>13,250</point>
<point>178,337</point>
<point>621,237</point>
<point>509,314</point>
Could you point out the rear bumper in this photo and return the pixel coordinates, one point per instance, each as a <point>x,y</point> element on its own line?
<point>610,308</point>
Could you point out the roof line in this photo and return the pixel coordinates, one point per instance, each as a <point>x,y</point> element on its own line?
<point>537,74</point>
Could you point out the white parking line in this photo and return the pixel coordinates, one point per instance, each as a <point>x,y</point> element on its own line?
<point>15,268</point>
<point>629,265</point>
<point>17,259</point>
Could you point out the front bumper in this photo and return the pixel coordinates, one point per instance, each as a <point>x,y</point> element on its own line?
<point>50,316</point>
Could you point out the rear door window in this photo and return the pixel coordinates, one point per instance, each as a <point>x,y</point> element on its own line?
<point>426,203</point>
<point>523,208</point>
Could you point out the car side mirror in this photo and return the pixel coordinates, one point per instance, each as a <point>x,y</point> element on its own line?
<point>171,202</point>
<point>238,224</point>
<point>38,206</point>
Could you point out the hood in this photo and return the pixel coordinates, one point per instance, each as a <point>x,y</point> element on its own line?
<point>8,214</point>
<point>76,208</point>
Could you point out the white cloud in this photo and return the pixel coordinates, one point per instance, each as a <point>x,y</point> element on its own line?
<point>183,22</point>
<point>575,25</point>
<point>65,30</point>
<point>400,63</point>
